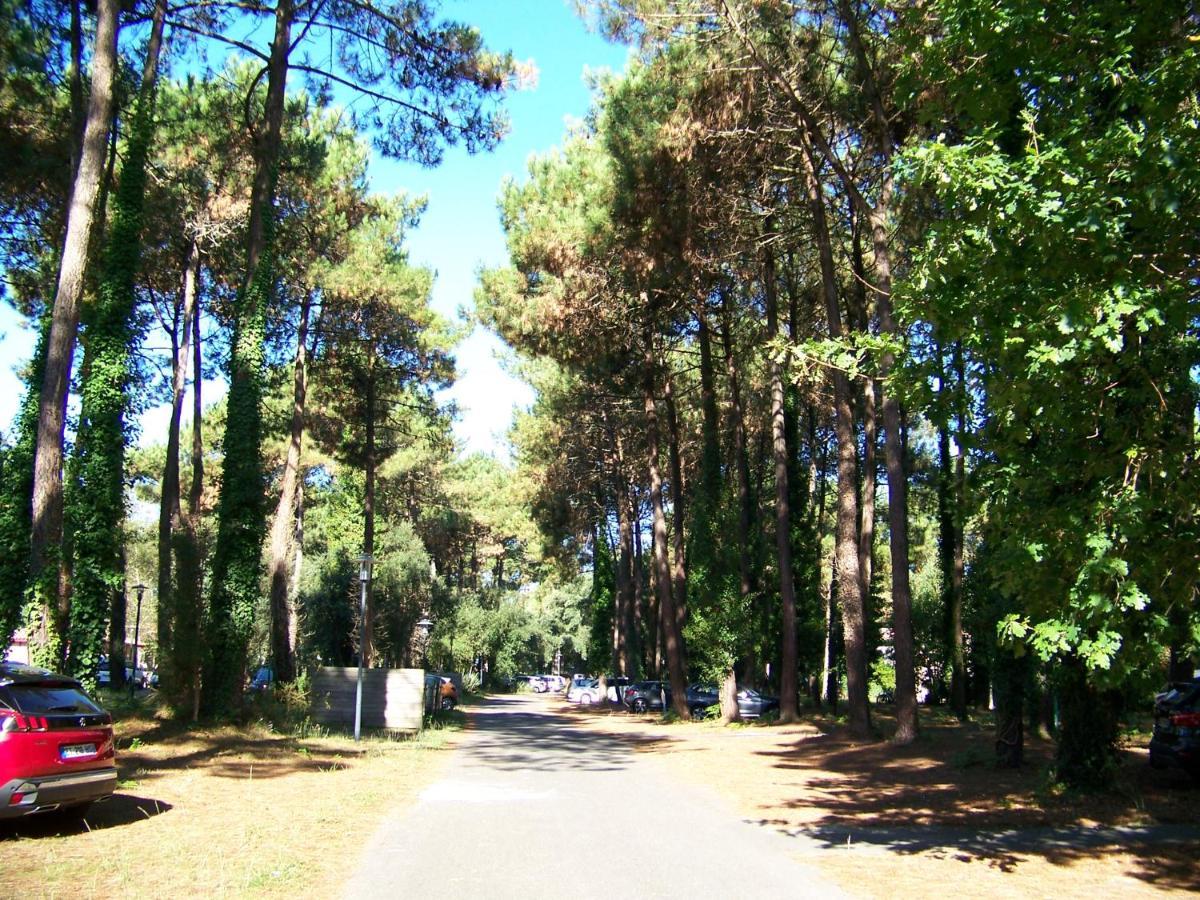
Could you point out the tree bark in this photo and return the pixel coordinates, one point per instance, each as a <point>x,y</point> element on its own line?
<point>241,514</point>
<point>679,572</point>
<point>728,698</point>
<point>283,524</point>
<point>877,216</point>
<point>747,582</point>
<point>625,599</point>
<point>366,635</point>
<point>673,640</point>
<point>170,511</point>
<point>189,587</point>
<point>789,698</point>
<point>47,532</point>
<point>958,663</point>
<point>847,569</point>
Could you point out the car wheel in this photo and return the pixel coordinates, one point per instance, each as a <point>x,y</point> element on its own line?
<point>585,700</point>
<point>639,705</point>
<point>447,704</point>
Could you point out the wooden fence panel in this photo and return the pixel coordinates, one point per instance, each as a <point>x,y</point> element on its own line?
<point>392,698</point>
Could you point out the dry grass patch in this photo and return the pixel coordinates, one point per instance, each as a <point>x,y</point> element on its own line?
<point>222,812</point>
<point>812,779</point>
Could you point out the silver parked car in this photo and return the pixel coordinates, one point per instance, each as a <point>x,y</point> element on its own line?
<point>585,693</point>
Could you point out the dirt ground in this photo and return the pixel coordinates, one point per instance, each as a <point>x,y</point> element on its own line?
<point>886,821</point>
<point>221,812</point>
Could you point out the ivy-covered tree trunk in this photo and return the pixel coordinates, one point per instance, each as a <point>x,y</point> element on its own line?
<point>44,627</point>
<point>241,509</point>
<point>283,650</point>
<point>97,509</point>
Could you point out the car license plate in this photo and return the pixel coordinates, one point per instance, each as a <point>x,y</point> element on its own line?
<point>74,751</point>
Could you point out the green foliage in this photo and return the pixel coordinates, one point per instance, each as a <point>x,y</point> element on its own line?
<point>16,493</point>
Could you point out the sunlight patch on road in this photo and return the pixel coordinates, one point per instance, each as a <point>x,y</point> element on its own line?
<point>475,792</point>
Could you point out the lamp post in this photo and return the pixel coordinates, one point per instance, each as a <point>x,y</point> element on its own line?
<point>364,578</point>
<point>137,628</point>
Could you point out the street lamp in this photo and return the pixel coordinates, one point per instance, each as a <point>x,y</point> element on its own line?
<point>137,627</point>
<point>364,579</point>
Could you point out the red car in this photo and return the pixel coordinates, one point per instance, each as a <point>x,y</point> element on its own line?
<point>56,744</point>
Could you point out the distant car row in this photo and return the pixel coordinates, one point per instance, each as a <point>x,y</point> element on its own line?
<point>644,696</point>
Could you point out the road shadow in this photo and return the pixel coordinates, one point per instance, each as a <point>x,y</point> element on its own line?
<point>515,734</point>
<point>114,812</point>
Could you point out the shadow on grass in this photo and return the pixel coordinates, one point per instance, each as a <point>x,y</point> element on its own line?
<point>942,796</point>
<point>113,812</point>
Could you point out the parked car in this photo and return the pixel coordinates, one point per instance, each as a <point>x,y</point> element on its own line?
<point>643,696</point>
<point>56,744</point>
<point>1176,738</point>
<point>538,684</point>
<point>753,705</point>
<point>585,693</point>
<point>555,683</point>
<point>522,682</point>
<point>449,693</point>
<point>139,677</point>
<point>701,698</point>
<point>263,678</point>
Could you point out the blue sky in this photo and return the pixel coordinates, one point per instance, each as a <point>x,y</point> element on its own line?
<point>460,231</point>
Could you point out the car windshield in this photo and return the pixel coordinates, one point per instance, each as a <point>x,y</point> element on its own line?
<point>39,699</point>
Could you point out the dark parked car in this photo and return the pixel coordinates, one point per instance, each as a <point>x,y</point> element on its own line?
<point>263,679</point>
<point>1176,739</point>
<point>701,698</point>
<point>642,696</point>
<point>56,744</point>
<point>753,705</point>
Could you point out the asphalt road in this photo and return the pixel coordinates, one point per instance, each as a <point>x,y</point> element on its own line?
<point>533,807</point>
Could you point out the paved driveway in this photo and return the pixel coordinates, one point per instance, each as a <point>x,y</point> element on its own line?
<point>532,807</point>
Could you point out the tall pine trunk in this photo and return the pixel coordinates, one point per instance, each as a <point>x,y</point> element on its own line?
<point>97,508</point>
<point>877,216</point>
<point>625,595</point>
<point>241,510</point>
<point>672,639</point>
<point>747,582</point>
<point>170,512</point>
<point>283,650</point>
<point>789,698</point>
<point>679,571</point>
<point>847,570</point>
<point>47,636</point>
<point>189,587</point>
